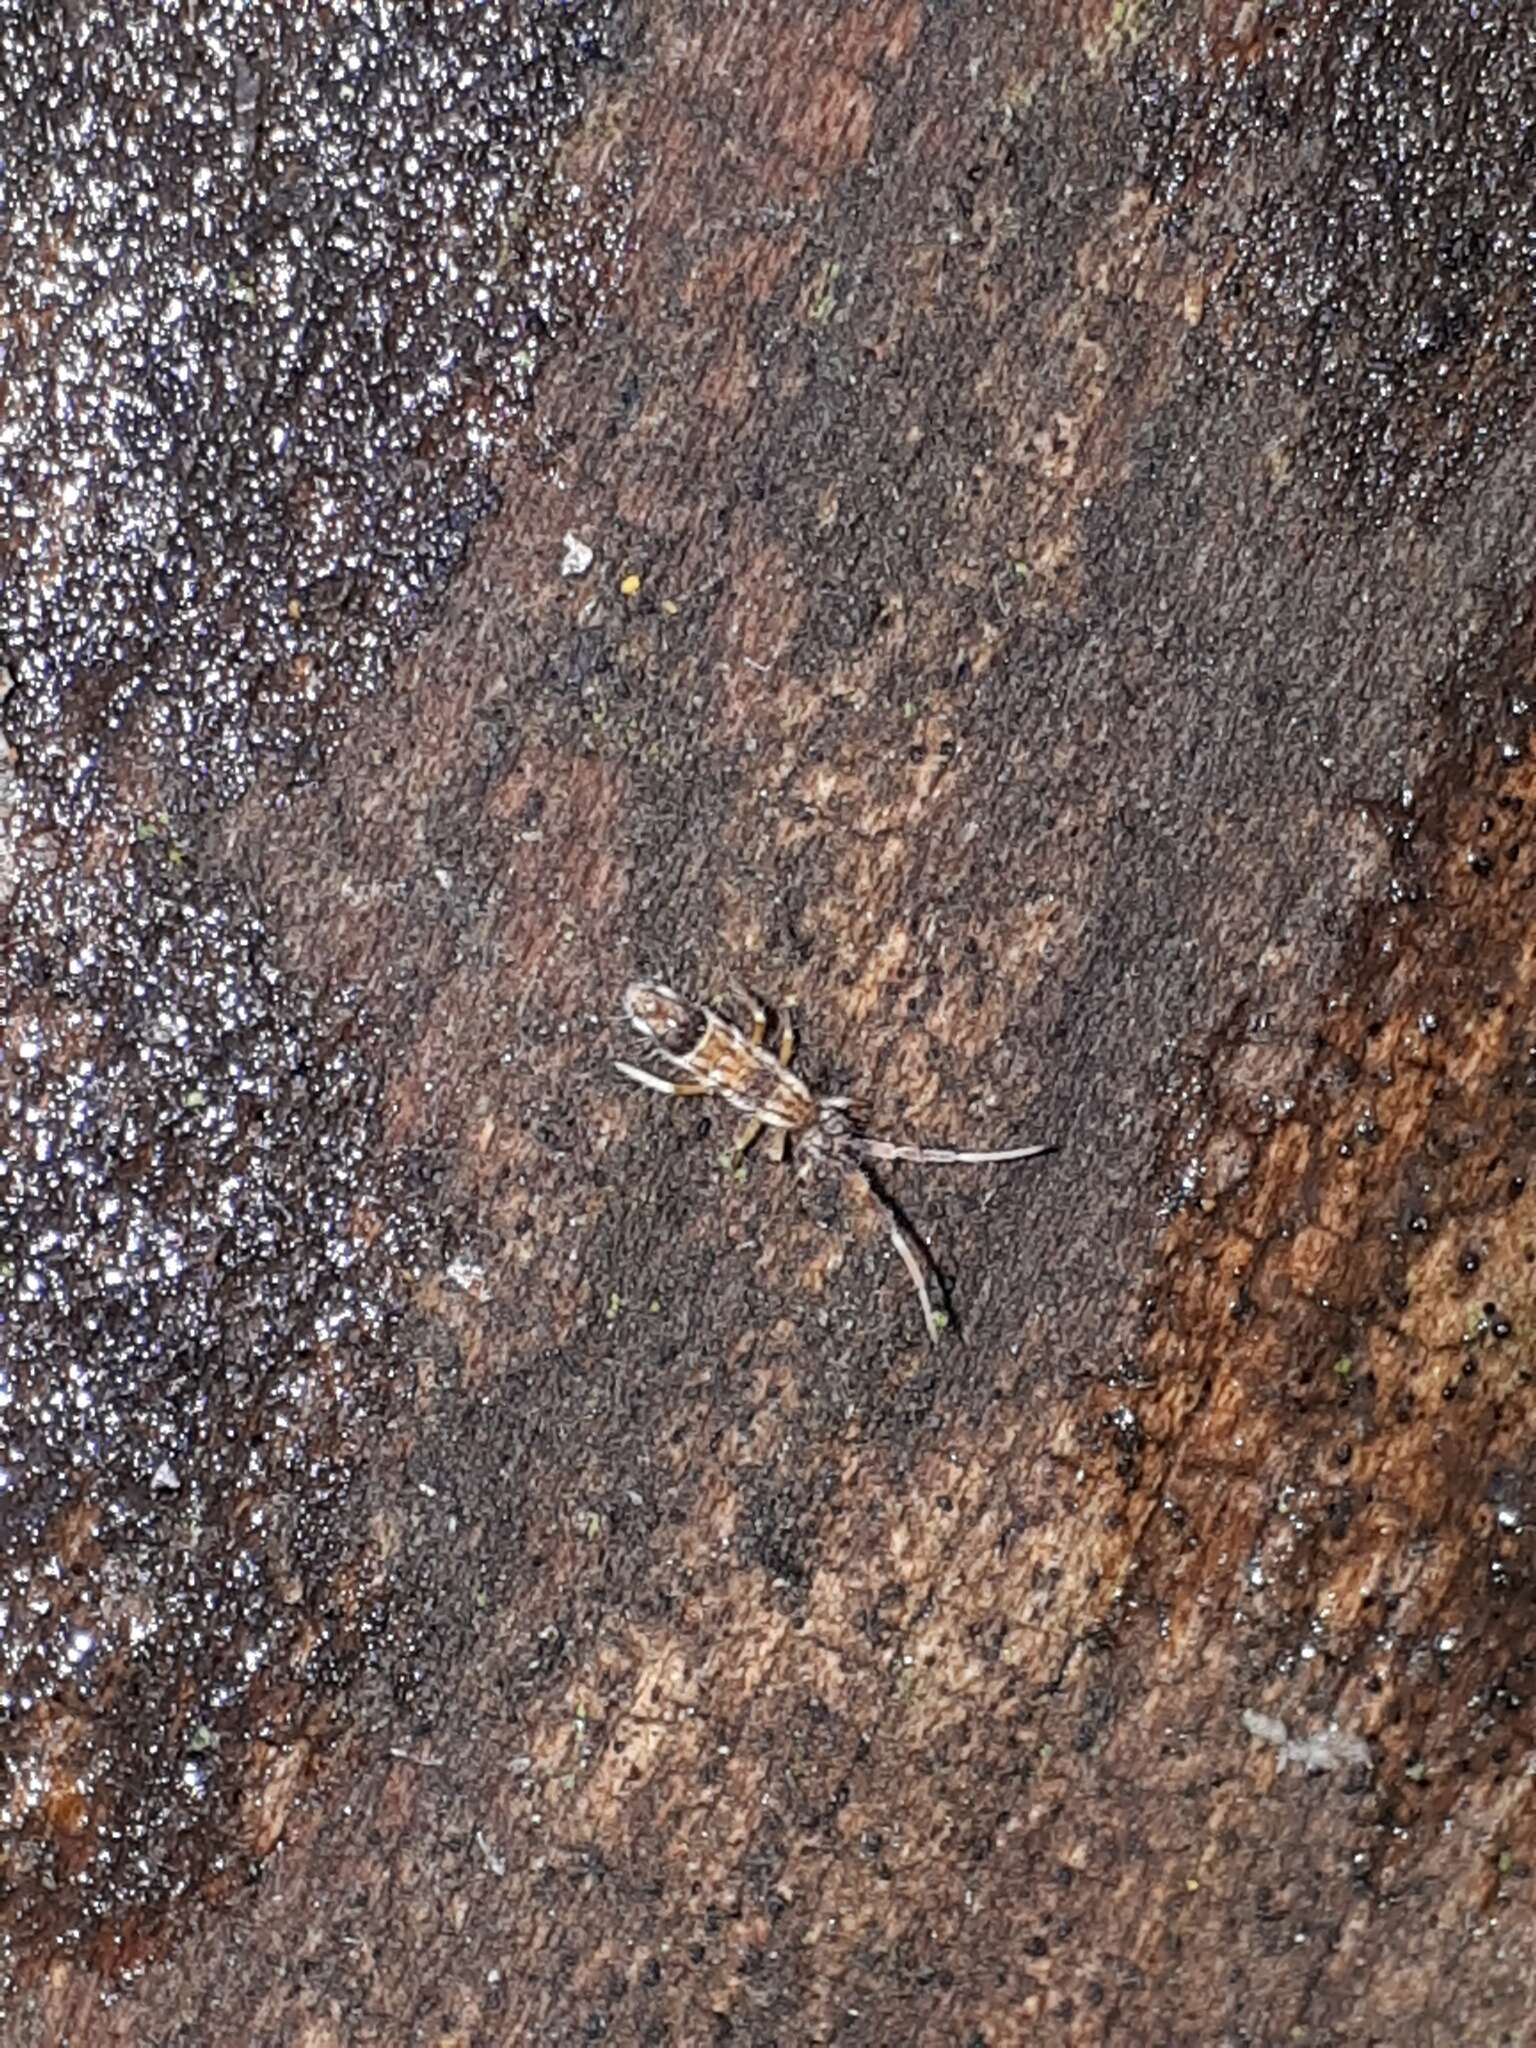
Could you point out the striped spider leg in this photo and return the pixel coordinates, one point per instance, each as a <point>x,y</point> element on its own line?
<point>714,1058</point>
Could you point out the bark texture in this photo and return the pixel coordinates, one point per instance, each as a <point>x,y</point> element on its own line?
<point>1059,490</point>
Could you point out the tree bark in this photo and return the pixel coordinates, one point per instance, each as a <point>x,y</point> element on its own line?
<point>1058,492</point>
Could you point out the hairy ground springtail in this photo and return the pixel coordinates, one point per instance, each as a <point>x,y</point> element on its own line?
<point>717,1059</point>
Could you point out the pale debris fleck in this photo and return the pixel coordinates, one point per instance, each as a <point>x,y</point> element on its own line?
<point>466,1274</point>
<point>1332,1750</point>
<point>577,559</point>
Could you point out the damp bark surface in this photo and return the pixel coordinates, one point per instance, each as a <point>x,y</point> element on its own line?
<point>1014,537</point>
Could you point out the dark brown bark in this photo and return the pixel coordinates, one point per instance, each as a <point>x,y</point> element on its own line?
<point>1059,494</point>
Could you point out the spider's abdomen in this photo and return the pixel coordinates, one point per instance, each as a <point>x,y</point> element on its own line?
<point>751,1079</point>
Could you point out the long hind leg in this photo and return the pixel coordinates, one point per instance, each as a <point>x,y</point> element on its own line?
<point>907,1247</point>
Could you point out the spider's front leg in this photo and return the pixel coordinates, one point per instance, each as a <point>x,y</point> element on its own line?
<point>659,1081</point>
<point>787,1033</point>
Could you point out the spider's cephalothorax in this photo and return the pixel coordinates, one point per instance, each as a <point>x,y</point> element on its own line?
<point>716,1059</point>
<point>673,1025</point>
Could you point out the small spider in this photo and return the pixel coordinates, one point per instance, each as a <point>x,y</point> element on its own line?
<point>717,1059</point>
